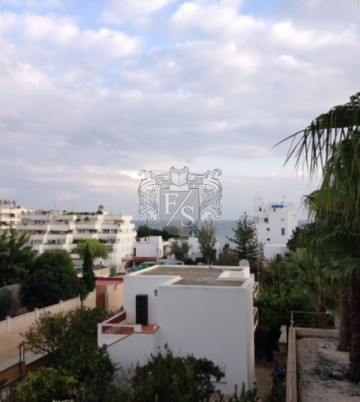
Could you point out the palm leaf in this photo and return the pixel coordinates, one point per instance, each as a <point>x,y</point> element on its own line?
<point>313,146</point>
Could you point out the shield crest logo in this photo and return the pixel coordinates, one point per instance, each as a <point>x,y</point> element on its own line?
<point>178,199</point>
<point>179,211</point>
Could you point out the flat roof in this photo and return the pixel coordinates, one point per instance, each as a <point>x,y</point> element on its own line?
<point>195,275</point>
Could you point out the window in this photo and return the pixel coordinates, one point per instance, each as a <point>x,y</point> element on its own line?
<point>266,220</point>
<point>268,229</point>
<point>268,239</point>
<point>282,231</point>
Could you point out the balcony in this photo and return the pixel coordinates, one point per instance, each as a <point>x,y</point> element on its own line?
<point>116,329</point>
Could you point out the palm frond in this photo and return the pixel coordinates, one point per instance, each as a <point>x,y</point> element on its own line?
<point>313,146</point>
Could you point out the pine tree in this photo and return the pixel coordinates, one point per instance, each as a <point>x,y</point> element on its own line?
<point>246,240</point>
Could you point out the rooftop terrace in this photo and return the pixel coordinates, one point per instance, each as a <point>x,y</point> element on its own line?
<point>200,275</point>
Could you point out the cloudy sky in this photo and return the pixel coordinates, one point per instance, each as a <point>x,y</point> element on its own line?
<point>93,91</point>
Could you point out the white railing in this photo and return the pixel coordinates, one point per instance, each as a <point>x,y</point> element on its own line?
<point>25,320</point>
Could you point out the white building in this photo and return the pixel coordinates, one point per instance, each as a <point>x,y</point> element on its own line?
<point>192,309</point>
<point>275,223</point>
<point>10,214</point>
<point>57,230</point>
<point>152,247</point>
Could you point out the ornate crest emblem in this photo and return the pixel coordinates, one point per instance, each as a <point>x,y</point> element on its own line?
<point>179,199</point>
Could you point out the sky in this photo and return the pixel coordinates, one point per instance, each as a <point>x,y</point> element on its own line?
<point>93,91</point>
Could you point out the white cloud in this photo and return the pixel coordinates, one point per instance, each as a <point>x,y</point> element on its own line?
<point>85,105</point>
<point>124,10</point>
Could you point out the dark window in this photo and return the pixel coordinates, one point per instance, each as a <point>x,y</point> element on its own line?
<point>282,231</point>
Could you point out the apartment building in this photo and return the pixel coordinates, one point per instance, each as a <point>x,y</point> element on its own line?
<point>207,312</point>
<point>275,222</point>
<point>56,230</point>
<point>10,214</point>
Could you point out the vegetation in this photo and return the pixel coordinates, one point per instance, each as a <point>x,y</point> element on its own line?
<point>180,249</point>
<point>228,257</point>
<point>52,278</point>
<point>245,238</point>
<point>146,231</point>
<point>88,276</point>
<point>97,249</point>
<point>207,240</point>
<point>168,377</point>
<point>6,302</point>
<point>81,371</point>
<point>331,144</point>
<point>16,257</point>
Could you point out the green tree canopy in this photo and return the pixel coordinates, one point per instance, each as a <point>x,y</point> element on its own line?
<point>84,370</point>
<point>16,257</point>
<point>228,256</point>
<point>53,278</point>
<point>97,249</point>
<point>207,240</point>
<point>88,277</point>
<point>180,249</point>
<point>146,231</point>
<point>246,240</point>
<point>167,377</point>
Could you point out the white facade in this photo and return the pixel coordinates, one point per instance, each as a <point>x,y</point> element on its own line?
<point>57,230</point>
<point>275,223</point>
<point>194,251</point>
<point>150,247</point>
<point>194,310</point>
<point>10,214</point>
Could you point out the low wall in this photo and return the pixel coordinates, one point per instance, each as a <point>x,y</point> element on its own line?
<point>25,320</point>
<point>294,333</point>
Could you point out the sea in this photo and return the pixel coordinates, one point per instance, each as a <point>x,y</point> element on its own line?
<point>223,228</point>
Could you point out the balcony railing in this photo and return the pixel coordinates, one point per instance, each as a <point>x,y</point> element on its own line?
<point>256,289</point>
<point>256,317</point>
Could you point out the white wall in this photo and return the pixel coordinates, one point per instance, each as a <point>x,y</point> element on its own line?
<point>212,322</point>
<point>133,349</point>
<point>136,284</point>
<point>149,247</point>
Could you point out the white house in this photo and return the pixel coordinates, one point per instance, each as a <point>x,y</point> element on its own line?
<point>207,312</point>
<point>152,247</point>
<point>56,230</point>
<point>275,222</point>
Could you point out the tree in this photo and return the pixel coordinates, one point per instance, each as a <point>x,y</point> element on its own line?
<point>88,273</point>
<point>245,238</point>
<point>207,240</point>
<point>228,257</point>
<point>84,370</point>
<point>323,293</point>
<point>167,377</point>
<point>332,143</point>
<point>16,257</point>
<point>6,302</point>
<point>180,249</point>
<point>53,278</point>
<point>97,249</point>
<point>48,384</point>
<point>146,231</point>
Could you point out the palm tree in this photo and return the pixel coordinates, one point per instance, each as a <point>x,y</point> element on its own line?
<point>332,143</point>
<point>16,257</point>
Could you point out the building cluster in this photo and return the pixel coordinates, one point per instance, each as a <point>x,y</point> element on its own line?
<point>199,310</point>
<point>62,230</point>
